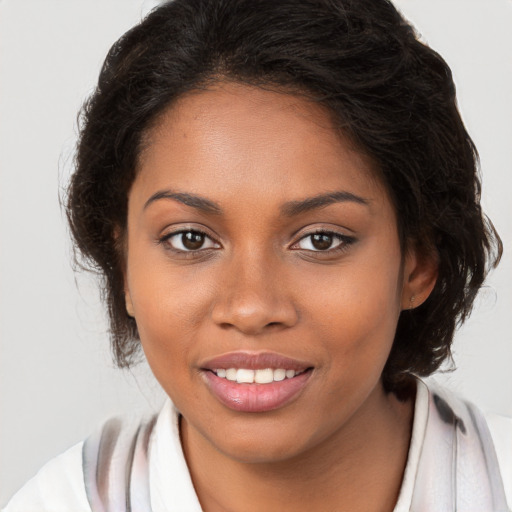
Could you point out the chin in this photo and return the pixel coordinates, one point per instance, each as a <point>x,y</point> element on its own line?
<point>265,439</point>
<point>261,451</point>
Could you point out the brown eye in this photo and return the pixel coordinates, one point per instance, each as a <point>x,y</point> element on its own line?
<point>192,240</point>
<point>321,241</point>
<point>189,241</point>
<point>324,241</point>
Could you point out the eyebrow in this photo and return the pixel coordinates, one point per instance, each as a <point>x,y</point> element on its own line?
<point>293,208</point>
<point>289,209</point>
<point>195,201</point>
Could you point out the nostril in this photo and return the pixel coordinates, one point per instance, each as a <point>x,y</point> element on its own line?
<point>227,325</point>
<point>251,314</point>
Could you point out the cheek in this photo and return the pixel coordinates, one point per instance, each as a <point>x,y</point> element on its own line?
<point>355,312</point>
<point>171,304</point>
<point>169,316</point>
<point>355,296</point>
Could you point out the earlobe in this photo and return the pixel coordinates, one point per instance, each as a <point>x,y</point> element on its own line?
<point>420,276</point>
<point>120,246</point>
<point>129,305</point>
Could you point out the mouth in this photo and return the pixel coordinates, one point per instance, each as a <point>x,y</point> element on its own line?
<point>262,376</point>
<point>260,382</point>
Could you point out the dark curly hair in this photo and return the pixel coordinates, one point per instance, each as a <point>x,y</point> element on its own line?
<point>391,94</point>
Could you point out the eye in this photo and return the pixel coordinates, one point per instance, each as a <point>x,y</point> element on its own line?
<point>189,240</point>
<point>323,241</point>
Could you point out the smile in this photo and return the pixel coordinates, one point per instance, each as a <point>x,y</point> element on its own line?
<point>248,376</point>
<point>255,382</point>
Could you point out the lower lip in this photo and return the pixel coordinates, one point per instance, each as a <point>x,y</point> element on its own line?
<point>256,397</point>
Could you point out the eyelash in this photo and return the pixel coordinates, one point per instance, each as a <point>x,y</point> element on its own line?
<point>165,241</point>
<point>345,242</point>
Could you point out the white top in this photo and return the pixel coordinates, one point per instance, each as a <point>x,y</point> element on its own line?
<point>59,487</point>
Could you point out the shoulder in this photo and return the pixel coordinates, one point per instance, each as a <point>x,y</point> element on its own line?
<point>501,432</point>
<point>93,473</point>
<point>57,487</point>
<point>481,440</point>
<point>109,470</point>
<point>497,427</point>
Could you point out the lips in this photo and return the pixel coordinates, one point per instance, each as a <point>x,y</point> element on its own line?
<point>255,382</point>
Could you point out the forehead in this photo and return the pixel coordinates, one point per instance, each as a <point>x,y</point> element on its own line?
<point>225,141</point>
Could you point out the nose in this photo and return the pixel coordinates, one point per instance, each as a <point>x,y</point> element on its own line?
<point>254,297</point>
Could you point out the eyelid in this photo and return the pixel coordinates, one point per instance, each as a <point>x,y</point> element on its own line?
<point>339,233</point>
<point>345,240</point>
<point>164,238</point>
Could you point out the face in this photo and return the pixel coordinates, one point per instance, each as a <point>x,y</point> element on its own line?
<point>264,271</point>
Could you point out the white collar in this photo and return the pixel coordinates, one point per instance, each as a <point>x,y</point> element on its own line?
<point>170,481</point>
<point>169,478</point>
<point>171,484</point>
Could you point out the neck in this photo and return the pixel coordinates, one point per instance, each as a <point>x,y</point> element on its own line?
<point>360,467</point>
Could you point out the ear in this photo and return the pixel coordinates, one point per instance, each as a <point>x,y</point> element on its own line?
<point>419,277</point>
<point>129,305</point>
<point>120,247</point>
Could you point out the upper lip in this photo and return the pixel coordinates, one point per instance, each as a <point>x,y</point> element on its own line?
<point>254,361</point>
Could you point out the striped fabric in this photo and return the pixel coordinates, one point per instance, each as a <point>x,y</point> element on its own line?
<point>456,468</point>
<point>115,466</point>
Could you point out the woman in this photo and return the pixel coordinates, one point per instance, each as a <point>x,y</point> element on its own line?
<point>284,204</point>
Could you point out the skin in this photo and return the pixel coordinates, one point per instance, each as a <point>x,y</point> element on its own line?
<point>258,284</point>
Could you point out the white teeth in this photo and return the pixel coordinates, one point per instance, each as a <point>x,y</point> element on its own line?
<point>231,374</point>
<point>279,374</point>
<point>246,376</point>
<point>264,376</point>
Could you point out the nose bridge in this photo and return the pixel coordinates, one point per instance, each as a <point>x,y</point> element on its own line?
<point>253,293</point>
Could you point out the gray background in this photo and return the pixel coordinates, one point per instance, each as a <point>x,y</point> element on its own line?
<point>56,378</point>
